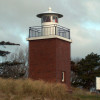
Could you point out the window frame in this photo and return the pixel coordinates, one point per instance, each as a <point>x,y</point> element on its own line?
<point>46,18</point>
<point>54,19</point>
<point>63,76</point>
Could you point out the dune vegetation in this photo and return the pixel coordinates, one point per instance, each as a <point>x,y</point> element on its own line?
<point>27,89</point>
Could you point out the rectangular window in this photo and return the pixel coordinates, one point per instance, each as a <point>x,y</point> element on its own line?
<point>46,19</point>
<point>55,19</point>
<point>63,76</point>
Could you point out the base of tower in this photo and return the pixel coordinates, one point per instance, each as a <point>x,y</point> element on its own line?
<point>48,59</point>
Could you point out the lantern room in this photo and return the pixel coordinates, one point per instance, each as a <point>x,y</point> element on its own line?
<point>49,26</point>
<point>49,17</point>
<point>49,21</point>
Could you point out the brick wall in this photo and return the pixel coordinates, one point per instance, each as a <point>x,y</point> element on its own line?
<point>48,58</point>
<point>63,60</point>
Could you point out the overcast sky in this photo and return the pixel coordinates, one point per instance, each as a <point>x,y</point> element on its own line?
<point>82,17</point>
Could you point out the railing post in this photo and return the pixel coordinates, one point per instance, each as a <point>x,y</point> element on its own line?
<point>69,33</point>
<point>29,31</point>
<point>35,33</point>
<point>55,30</point>
<point>41,30</point>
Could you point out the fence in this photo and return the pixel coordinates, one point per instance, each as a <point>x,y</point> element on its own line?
<point>46,30</point>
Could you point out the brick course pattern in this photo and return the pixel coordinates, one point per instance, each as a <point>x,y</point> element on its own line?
<point>48,58</point>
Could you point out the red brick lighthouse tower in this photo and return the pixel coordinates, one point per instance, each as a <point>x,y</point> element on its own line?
<point>49,50</point>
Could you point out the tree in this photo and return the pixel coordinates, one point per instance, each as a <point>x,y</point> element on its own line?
<point>73,69</point>
<point>3,43</point>
<point>12,68</point>
<point>4,53</point>
<point>86,71</point>
<point>21,57</point>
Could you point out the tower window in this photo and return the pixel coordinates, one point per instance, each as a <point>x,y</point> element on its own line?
<point>55,19</point>
<point>63,78</point>
<point>46,19</point>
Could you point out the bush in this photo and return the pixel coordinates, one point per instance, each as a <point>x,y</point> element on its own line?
<point>36,89</point>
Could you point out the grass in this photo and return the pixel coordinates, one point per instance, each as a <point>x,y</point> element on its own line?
<point>28,89</point>
<point>85,95</point>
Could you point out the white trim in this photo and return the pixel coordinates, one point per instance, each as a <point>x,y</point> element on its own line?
<point>48,37</point>
<point>97,83</point>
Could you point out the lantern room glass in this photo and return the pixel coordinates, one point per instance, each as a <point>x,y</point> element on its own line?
<point>46,19</point>
<point>49,19</point>
<point>55,19</point>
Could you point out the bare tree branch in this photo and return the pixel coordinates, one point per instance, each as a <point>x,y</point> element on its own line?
<point>8,43</point>
<point>4,53</point>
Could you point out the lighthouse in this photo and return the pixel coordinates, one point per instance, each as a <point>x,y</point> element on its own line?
<point>49,49</point>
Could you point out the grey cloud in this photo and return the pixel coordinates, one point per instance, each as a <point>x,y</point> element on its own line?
<point>16,16</point>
